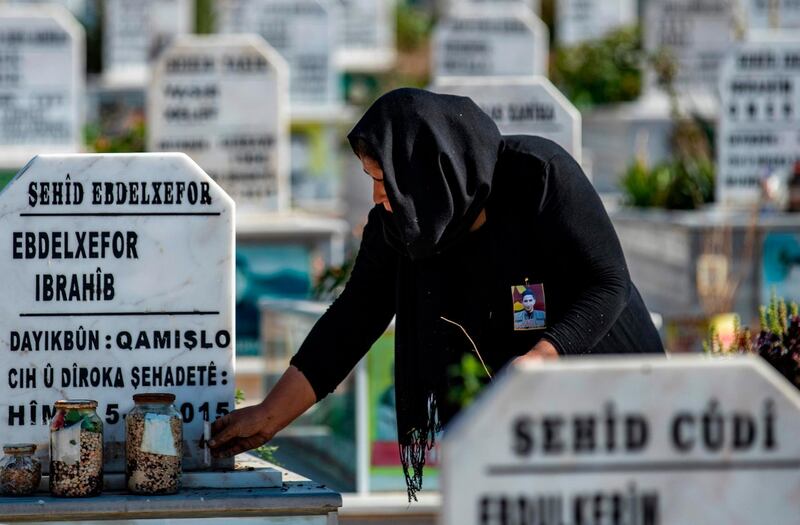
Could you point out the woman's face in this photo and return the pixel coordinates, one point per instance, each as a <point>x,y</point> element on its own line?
<point>528,301</point>
<point>373,169</point>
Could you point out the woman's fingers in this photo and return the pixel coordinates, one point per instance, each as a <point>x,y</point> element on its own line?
<point>236,446</point>
<point>223,430</point>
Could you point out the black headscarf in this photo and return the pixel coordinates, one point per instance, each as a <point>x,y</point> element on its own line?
<point>438,155</point>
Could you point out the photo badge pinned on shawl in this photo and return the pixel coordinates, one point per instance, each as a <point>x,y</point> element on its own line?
<point>528,307</point>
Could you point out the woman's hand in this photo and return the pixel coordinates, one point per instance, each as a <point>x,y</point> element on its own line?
<point>251,427</point>
<point>241,430</point>
<point>544,350</point>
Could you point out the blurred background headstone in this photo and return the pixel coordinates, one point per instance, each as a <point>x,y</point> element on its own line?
<point>759,129</point>
<point>135,32</point>
<point>223,99</point>
<point>304,32</point>
<point>42,83</point>
<point>522,106</point>
<point>580,20</point>
<point>490,42</point>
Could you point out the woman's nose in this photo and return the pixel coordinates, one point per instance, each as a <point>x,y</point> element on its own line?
<point>379,195</point>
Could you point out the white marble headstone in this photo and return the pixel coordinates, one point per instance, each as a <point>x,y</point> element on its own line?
<point>645,441</point>
<point>534,5</point>
<point>366,34</point>
<point>581,20</point>
<point>522,106</point>
<point>759,116</point>
<point>697,33</point>
<point>223,100</point>
<point>41,83</point>
<point>489,42</point>
<point>79,8</point>
<point>304,32</point>
<point>118,280</point>
<point>135,32</point>
<point>773,14</point>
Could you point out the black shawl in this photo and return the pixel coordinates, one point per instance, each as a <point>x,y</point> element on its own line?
<point>438,154</point>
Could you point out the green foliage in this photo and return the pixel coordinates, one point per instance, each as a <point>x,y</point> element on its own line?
<point>267,453</point>
<point>204,17</point>
<point>601,71</point>
<point>130,140</point>
<point>678,184</point>
<point>5,178</point>
<point>778,341</point>
<point>238,396</point>
<point>414,26</point>
<point>468,378</point>
<point>331,281</point>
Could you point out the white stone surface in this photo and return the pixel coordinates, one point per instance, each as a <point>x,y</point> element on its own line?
<point>522,106</point>
<point>304,33</point>
<point>490,42</point>
<point>574,440</point>
<point>534,5</point>
<point>786,15</point>
<point>697,33</point>
<point>759,116</point>
<point>224,101</point>
<point>581,20</point>
<point>166,305</point>
<point>41,83</point>
<point>366,34</point>
<point>135,32</point>
<point>78,8</point>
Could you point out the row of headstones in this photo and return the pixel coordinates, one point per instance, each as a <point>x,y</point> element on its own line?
<point>223,99</point>
<point>754,81</point>
<point>476,40</point>
<point>316,37</point>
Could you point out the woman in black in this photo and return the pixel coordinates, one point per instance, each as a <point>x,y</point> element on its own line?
<point>466,221</point>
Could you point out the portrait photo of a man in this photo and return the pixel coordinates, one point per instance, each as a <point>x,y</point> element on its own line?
<point>528,317</point>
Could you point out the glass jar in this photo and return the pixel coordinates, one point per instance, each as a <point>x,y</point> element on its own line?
<point>76,449</point>
<point>20,472</point>
<point>153,445</point>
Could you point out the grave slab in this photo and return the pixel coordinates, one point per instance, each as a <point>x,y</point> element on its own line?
<point>304,33</point>
<point>760,116</point>
<point>581,20</point>
<point>490,42</point>
<point>223,100</point>
<point>697,34</point>
<point>684,440</point>
<point>41,83</point>
<point>772,14</point>
<point>289,499</point>
<point>118,280</point>
<point>522,106</point>
<point>367,35</point>
<point>135,32</point>
<point>533,5</point>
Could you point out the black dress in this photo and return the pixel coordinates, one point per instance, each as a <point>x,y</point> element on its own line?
<point>546,233</point>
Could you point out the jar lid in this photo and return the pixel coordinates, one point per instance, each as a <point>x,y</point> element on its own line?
<point>19,448</point>
<point>155,397</point>
<point>76,404</point>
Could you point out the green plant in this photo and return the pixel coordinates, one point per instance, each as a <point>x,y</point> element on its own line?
<point>778,341</point>
<point>686,180</point>
<point>267,453</point>
<point>414,26</point>
<point>683,183</point>
<point>204,19</point>
<point>331,281</point>
<point>468,378</point>
<point>601,71</point>
<point>130,140</point>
